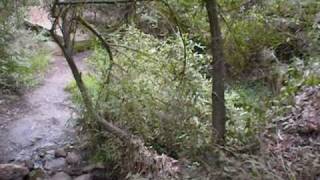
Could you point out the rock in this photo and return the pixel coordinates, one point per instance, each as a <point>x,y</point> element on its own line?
<point>88,168</point>
<point>12,171</point>
<point>73,158</point>
<point>91,167</point>
<point>55,164</point>
<point>60,153</point>
<point>29,164</point>
<point>84,177</point>
<point>37,174</point>
<point>73,171</point>
<point>42,154</point>
<point>61,176</point>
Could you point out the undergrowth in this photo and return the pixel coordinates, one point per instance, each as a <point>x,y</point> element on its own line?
<point>159,93</point>
<point>149,95</point>
<point>23,60</point>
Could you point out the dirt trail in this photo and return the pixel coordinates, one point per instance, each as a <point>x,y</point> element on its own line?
<point>42,119</point>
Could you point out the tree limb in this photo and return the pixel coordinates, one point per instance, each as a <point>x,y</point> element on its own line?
<point>155,166</point>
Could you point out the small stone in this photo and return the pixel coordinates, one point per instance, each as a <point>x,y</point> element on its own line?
<point>61,176</point>
<point>60,153</point>
<point>55,164</point>
<point>73,171</point>
<point>42,154</point>
<point>12,171</point>
<point>29,164</point>
<point>84,177</point>
<point>73,158</point>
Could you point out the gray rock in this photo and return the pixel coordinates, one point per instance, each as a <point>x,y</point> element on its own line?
<point>42,154</point>
<point>73,158</point>
<point>73,171</point>
<point>29,164</point>
<point>61,176</point>
<point>12,171</point>
<point>55,164</point>
<point>84,177</point>
<point>60,153</point>
<point>91,167</point>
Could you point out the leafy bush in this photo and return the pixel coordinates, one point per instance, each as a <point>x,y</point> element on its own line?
<point>246,104</point>
<point>148,90</point>
<point>21,67</point>
<point>148,94</point>
<point>301,73</point>
<point>247,37</point>
<point>20,63</point>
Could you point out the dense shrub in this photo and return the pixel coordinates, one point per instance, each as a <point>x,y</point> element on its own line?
<point>149,94</point>
<point>21,57</point>
<point>152,93</point>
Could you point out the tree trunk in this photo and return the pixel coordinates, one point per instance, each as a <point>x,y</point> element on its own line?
<point>150,163</point>
<point>218,73</point>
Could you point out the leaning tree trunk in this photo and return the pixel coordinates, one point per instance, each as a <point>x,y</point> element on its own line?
<point>217,72</point>
<point>140,158</point>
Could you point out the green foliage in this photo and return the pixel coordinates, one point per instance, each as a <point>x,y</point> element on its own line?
<point>149,95</point>
<point>150,91</point>
<point>19,72</point>
<point>90,81</point>
<point>246,32</point>
<point>246,37</point>
<point>246,104</point>
<point>146,92</point>
<point>299,74</point>
<point>20,64</point>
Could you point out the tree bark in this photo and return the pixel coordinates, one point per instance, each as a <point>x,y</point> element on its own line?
<point>218,73</point>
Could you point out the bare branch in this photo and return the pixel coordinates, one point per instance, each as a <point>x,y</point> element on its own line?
<point>98,35</point>
<point>107,48</point>
<point>159,167</point>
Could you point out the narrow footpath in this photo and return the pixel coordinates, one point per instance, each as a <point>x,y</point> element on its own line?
<point>38,129</point>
